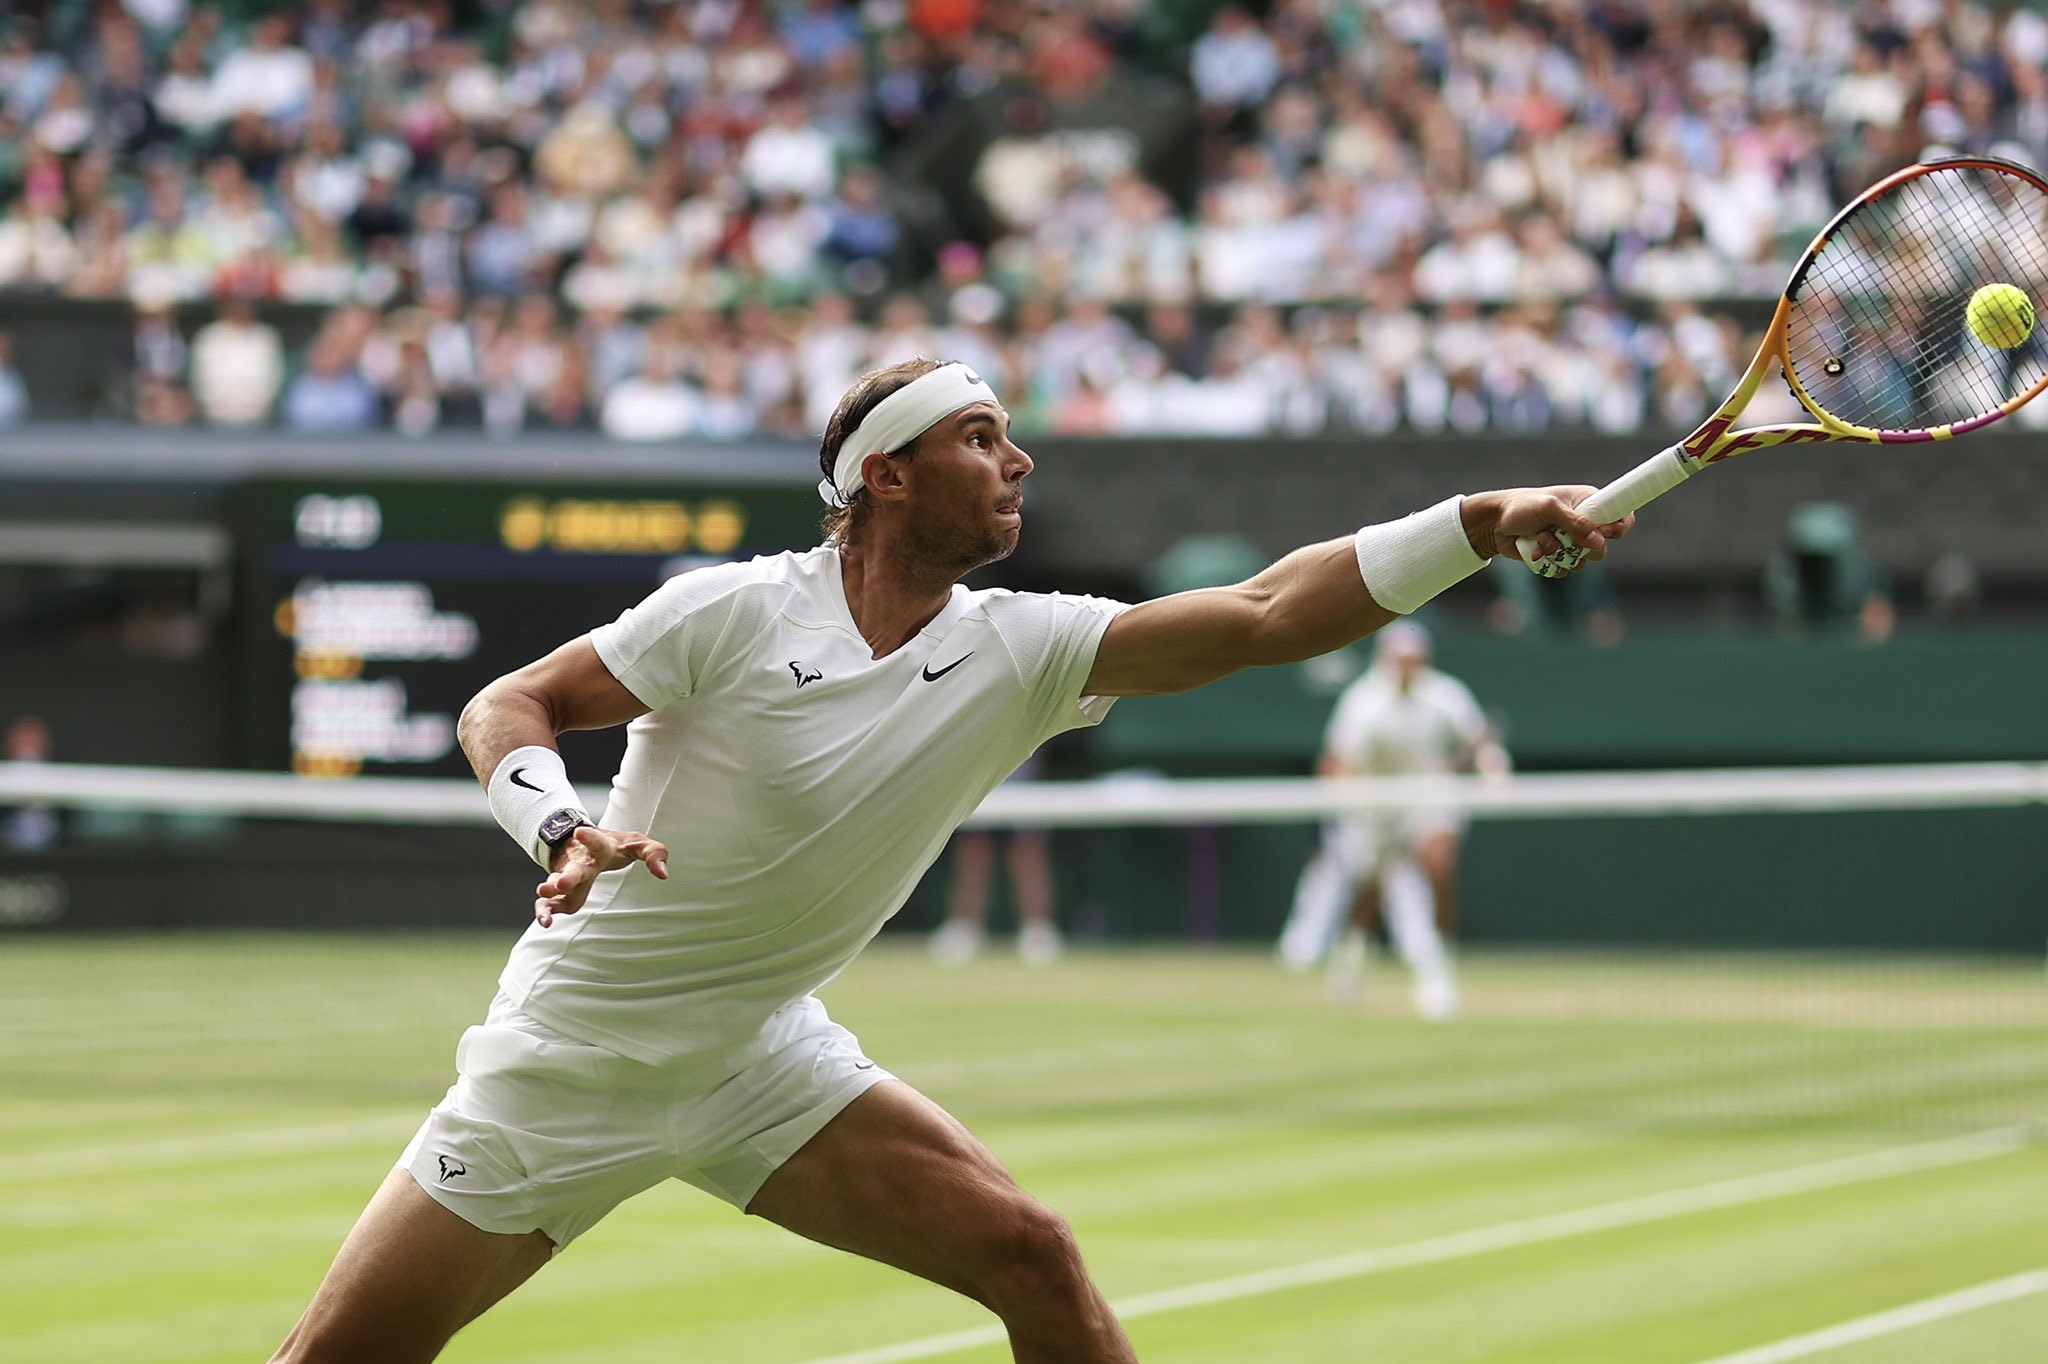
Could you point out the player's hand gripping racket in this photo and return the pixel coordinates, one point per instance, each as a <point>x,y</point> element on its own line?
<point>1909,318</point>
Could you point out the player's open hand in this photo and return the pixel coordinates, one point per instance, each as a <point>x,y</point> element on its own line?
<point>1501,518</point>
<point>589,853</point>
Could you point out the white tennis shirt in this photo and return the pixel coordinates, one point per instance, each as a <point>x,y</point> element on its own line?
<point>801,784</point>
<point>1379,730</point>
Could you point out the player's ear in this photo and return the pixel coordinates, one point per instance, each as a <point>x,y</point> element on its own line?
<point>884,476</point>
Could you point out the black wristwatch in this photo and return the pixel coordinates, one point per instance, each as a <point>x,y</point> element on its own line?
<point>557,828</point>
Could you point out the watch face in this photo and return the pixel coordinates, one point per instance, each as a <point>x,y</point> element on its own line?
<point>558,826</point>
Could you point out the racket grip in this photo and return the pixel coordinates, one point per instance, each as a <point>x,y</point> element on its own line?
<point>1637,488</point>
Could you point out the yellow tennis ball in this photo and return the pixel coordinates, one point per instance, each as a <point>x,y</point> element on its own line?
<point>2000,315</point>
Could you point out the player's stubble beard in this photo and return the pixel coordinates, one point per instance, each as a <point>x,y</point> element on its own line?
<point>943,554</point>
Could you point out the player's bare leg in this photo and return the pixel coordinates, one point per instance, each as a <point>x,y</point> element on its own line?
<point>410,1275</point>
<point>1438,855</point>
<point>1316,917</point>
<point>1038,938</point>
<point>1365,907</point>
<point>897,1179</point>
<point>974,860</point>
<point>1436,981</point>
<point>1351,957</point>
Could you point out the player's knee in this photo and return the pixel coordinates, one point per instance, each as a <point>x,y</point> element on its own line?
<point>1031,1257</point>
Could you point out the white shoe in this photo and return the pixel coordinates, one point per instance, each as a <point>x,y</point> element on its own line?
<point>1039,944</point>
<point>1436,998</point>
<point>1298,954</point>
<point>956,942</point>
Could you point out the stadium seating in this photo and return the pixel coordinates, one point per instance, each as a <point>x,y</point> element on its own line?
<point>699,220</point>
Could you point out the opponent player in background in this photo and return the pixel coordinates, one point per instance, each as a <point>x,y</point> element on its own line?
<point>1399,718</point>
<point>1028,855</point>
<point>805,732</point>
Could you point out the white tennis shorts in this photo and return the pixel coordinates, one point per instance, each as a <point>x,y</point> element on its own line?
<point>1363,844</point>
<point>543,1132</point>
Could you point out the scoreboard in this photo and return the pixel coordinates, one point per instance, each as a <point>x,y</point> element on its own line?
<point>372,609</point>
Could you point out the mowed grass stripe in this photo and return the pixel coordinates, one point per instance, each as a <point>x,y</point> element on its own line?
<point>1999,1334</point>
<point>1875,1165</point>
<point>206,1217</point>
<point>148,1158</point>
<point>1857,1169</point>
<point>1906,1318</point>
<point>1754,1075</point>
<point>1670,1291</point>
<point>1343,1205</point>
<point>1627,1079</point>
<point>1658,1293</point>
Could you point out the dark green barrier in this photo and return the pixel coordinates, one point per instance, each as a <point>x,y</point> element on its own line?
<point>1896,880</point>
<point>1949,880</point>
<point>1963,880</point>
<point>1699,699</point>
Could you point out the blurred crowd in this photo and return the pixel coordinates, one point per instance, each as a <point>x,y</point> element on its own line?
<point>668,218</point>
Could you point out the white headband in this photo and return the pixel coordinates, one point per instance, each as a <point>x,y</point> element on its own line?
<point>899,419</point>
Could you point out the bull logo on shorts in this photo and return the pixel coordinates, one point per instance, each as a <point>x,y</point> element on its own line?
<point>451,1168</point>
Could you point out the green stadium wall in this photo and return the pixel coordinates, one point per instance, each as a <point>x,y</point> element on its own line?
<point>1906,879</point>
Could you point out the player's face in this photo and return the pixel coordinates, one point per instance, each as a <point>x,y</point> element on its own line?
<point>1407,664</point>
<point>968,483</point>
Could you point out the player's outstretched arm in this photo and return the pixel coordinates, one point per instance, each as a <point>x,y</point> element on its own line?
<point>1324,596</point>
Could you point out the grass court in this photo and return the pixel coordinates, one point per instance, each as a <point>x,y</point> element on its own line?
<point>1647,1159</point>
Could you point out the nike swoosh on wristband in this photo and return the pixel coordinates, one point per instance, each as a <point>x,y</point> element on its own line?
<point>931,676</point>
<point>516,782</point>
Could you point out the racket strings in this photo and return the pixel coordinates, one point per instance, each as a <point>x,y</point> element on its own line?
<point>1877,335</point>
<point>1909,298</point>
<point>1889,303</point>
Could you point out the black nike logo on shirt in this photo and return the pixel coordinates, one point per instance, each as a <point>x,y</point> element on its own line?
<point>931,676</point>
<point>516,782</point>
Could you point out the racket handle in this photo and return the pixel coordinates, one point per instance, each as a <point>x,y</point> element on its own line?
<point>1640,486</point>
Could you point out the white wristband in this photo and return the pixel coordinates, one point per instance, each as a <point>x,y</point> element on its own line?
<point>528,785</point>
<point>1406,562</point>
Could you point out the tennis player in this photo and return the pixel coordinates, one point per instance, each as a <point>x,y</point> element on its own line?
<point>1400,718</point>
<point>805,731</point>
<point>1028,855</point>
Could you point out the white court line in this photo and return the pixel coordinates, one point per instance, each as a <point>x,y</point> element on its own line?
<point>1898,1319</point>
<point>130,1157</point>
<point>1729,1193</point>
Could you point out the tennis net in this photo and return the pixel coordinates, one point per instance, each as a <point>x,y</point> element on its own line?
<point>1853,947</point>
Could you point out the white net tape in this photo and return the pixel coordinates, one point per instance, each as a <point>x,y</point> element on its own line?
<point>1120,799</point>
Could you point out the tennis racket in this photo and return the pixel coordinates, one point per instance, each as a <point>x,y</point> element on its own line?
<point>1871,332</point>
